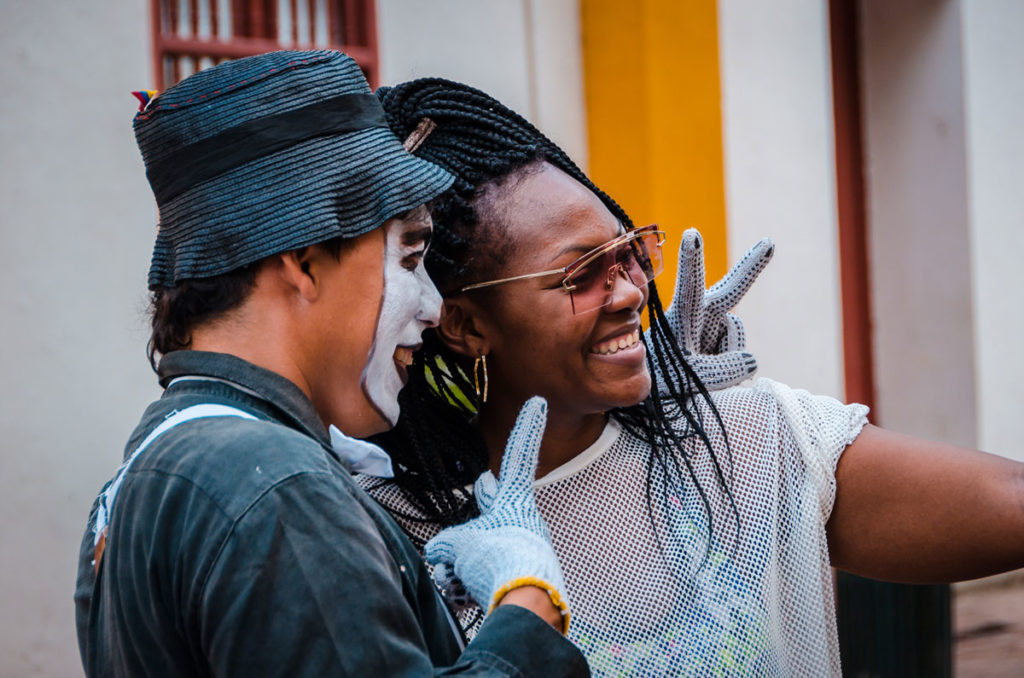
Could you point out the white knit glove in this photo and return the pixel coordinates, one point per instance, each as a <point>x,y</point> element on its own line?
<point>713,339</point>
<point>507,545</point>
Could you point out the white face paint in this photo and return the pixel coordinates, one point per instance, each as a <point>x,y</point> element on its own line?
<point>411,303</point>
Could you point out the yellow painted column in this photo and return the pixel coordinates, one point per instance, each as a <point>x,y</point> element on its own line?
<point>654,118</point>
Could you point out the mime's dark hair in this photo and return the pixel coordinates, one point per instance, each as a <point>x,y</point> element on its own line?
<point>435,446</point>
<point>175,312</point>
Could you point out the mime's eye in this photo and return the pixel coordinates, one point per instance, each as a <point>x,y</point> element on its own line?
<point>411,261</point>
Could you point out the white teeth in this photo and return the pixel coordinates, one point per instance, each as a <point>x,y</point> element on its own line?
<point>403,355</point>
<point>617,344</point>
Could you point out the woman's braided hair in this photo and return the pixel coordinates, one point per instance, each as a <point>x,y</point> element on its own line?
<point>435,446</point>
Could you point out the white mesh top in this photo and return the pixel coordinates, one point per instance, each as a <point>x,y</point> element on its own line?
<point>649,597</point>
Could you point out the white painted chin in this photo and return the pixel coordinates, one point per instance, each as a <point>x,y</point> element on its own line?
<point>383,378</point>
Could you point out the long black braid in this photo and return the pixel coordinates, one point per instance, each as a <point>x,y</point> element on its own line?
<point>436,448</point>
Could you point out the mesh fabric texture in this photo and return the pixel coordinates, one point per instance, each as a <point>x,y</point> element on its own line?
<point>653,597</point>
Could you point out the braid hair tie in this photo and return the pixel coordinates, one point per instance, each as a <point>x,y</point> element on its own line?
<point>419,135</point>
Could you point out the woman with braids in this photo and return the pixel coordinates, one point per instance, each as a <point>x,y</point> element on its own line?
<point>695,527</point>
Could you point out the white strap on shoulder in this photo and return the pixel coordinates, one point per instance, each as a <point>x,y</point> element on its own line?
<point>106,505</point>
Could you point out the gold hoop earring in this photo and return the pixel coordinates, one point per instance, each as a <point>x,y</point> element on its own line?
<point>481,361</point>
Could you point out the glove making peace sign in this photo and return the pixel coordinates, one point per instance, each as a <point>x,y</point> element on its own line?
<point>507,545</point>
<point>710,336</point>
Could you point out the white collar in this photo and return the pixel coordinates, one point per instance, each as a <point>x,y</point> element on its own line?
<point>585,458</point>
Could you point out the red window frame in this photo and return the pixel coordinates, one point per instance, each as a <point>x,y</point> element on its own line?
<point>351,28</point>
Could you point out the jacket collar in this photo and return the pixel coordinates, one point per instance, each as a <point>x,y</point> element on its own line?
<point>289,402</point>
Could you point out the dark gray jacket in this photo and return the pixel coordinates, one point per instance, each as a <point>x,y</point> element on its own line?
<point>244,548</point>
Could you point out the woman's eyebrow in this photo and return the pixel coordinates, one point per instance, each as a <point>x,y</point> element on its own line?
<point>580,248</point>
<point>584,248</point>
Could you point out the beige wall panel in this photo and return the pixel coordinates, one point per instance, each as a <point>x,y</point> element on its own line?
<point>917,218</point>
<point>524,52</point>
<point>994,111</point>
<point>780,182</point>
<point>77,225</point>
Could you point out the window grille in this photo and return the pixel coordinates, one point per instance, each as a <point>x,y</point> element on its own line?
<point>190,35</point>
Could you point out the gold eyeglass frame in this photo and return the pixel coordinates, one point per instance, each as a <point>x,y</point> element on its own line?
<point>593,254</point>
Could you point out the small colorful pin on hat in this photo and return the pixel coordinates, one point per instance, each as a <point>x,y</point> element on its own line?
<point>144,96</point>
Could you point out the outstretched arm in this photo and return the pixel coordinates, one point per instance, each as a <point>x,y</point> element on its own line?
<point>914,511</point>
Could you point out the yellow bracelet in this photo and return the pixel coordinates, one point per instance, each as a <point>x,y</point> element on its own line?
<point>553,594</point>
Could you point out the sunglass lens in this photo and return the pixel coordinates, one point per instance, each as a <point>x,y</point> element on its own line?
<point>591,284</point>
<point>587,286</point>
<point>646,253</point>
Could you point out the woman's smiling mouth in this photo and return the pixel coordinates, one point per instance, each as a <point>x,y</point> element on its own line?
<point>403,358</point>
<point>616,344</point>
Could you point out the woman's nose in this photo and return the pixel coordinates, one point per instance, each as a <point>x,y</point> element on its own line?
<point>622,291</point>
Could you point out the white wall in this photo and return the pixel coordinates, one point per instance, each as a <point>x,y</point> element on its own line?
<point>77,230</point>
<point>917,216</point>
<point>993,64</point>
<point>780,182</point>
<point>526,53</point>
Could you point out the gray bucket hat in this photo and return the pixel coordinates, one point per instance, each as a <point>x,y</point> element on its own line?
<point>268,154</point>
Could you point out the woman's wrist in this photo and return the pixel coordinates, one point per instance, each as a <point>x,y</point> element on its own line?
<point>546,604</point>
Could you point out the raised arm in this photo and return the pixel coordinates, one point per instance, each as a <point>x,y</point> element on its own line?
<point>915,511</point>
<point>506,550</point>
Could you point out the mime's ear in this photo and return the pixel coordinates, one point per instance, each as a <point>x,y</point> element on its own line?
<point>460,328</point>
<point>298,270</point>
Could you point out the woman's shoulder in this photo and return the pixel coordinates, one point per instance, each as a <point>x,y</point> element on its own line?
<point>808,432</point>
<point>797,407</point>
